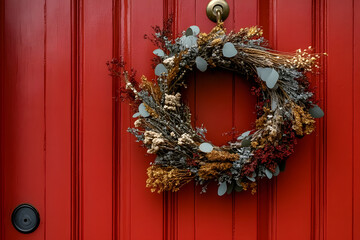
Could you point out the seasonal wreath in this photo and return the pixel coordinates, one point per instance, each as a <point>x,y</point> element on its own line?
<point>285,108</point>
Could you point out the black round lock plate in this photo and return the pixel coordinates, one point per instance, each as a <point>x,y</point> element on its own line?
<point>25,218</point>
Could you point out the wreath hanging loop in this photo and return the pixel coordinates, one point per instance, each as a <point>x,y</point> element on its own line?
<point>285,109</point>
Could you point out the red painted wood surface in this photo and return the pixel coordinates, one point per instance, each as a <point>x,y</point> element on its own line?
<point>65,148</point>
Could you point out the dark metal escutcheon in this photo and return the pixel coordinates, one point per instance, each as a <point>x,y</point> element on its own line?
<point>25,218</point>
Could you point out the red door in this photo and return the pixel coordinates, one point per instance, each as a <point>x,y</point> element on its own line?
<point>65,149</point>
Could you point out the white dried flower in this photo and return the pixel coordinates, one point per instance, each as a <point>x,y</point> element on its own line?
<point>138,122</point>
<point>155,139</point>
<point>169,62</point>
<point>150,135</point>
<point>172,101</point>
<point>185,139</point>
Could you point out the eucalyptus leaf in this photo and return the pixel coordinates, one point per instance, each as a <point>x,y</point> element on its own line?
<point>245,143</point>
<point>277,171</point>
<point>268,75</point>
<point>206,147</point>
<point>273,104</point>
<point>238,183</point>
<point>189,32</point>
<point>238,188</point>
<point>160,69</point>
<point>272,79</point>
<point>316,112</point>
<point>230,188</point>
<point>201,64</point>
<point>159,52</point>
<point>136,115</point>
<point>222,188</point>
<point>268,173</point>
<point>190,41</point>
<point>195,29</point>
<point>244,135</point>
<point>251,178</point>
<point>229,50</point>
<point>142,110</point>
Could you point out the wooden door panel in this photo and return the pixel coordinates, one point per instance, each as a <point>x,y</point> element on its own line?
<point>23,172</point>
<point>65,148</point>
<point>292,191</point>
<point>142,207</point>
<point>186,221</point>
<point>341,155</point>
<point>57,106</point>
<point>95,119</point>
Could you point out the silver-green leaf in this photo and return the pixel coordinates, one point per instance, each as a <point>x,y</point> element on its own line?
<point>142,110</point>
<point>201,64</point>
<point>206,147</point>
<point>190,41</point>
<point>229,50</point>
<point>136,115</point>
<point>251,178</point>
<point>160,69</point>
<point>159,52</point>
<point>238,188</point>
<point>222,188</point>
<point>189,32</point>
<point>195,29</point>
<point>316,112</point>
<point>268,75</point>
<point>244,135</point>
<point>273,104</point>
<point>268,173</point>
<point>230,188</point>
<point>245,143</point>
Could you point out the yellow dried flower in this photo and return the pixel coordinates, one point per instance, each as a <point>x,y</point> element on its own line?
<point>253,187</point>
<point>212,170</point>
<point>254,31</point>
<point>151,111</point>
<point>213,35</point>
<point>304,59</point>
<point>254,144</point>
<point>260,122</point>
<point>303,122</point>
<point>222,156</point>
<point>215,42</point>
<point>167,178</point>
<point>151,88</point>
<point>244,185</point>
<point>173,72</point>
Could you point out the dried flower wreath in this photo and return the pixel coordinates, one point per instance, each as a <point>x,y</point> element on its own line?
<point>285,109</point>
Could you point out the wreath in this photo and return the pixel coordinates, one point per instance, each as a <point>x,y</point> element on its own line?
<point>285,108</point>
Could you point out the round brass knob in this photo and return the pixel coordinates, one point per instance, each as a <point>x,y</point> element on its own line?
<point>217,10</point>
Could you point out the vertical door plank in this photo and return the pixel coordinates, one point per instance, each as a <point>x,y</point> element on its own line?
<point>340,117</point>
<point>125,138</point>
<point>58,119</point>
<point>356,120</point>
<point>214,109</point>
<point>96,114</point>
<point>2,112</point>
<point>293,27</point>
<point>146,207</point>
<point>23,129</point>
<point>186,17</point>
<point>246,206</point>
